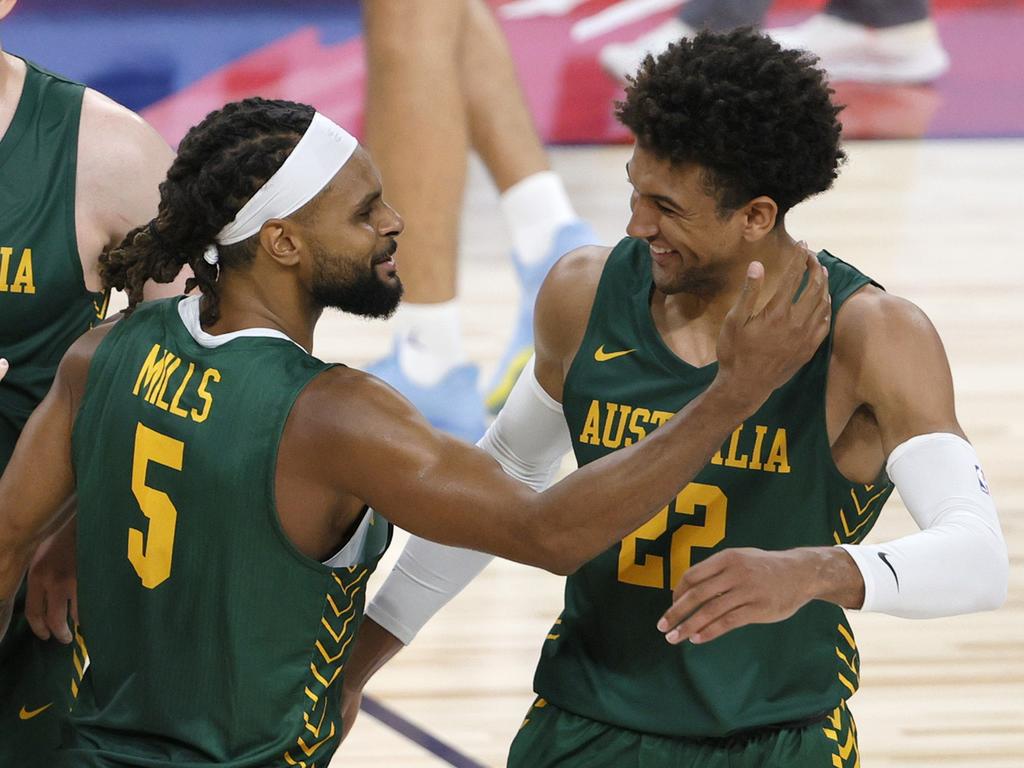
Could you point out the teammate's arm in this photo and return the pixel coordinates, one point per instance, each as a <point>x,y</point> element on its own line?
<point>380,450</point>
<point>957,563</point>
<point>39,478</point>
<point>528,439</point>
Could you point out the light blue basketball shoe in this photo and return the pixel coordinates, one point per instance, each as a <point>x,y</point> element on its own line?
<point>453,405</point>
<point>520,348</point>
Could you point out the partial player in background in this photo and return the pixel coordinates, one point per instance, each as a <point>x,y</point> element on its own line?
<point>874,41</point>
<point>223,473</point>
<point>714,634</point>
<point>441,80</point>
<point>77,171</point>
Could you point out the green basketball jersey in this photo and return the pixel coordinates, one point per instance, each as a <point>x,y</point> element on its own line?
<point>206,638</point>
<point>773,485</point>
<point>44,304</point>
<point>44,307</point>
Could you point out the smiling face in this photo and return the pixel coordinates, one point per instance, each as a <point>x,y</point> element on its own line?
<point>695,247</point>
<point>352,233</point>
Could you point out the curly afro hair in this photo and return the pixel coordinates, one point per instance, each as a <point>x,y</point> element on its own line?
<point>757,118</point>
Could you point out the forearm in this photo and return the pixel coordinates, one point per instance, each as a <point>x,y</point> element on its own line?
<point>374,647</point>
<point>12,569</point>
<point>958,562</point>
<point>6,606</point>
<point>528,439</point>
<point>830,574</point>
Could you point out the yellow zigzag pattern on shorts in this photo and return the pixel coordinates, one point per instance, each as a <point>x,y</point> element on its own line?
<point>849,660</point>
<point>319,721</point>
<point>80,656</point>
<point>843,731</point>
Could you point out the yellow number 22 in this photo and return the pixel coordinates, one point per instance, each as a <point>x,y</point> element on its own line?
<point>151,555</point>
<point>649,570</point>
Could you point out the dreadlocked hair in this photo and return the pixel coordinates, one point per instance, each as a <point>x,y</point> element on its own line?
<point>221,163</point>
<point>756,117</point>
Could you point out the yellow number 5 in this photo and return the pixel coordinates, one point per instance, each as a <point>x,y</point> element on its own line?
<point>151,556</point>
<point>650,570</point>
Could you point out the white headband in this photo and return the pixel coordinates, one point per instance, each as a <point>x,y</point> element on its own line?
<point>321,152</point>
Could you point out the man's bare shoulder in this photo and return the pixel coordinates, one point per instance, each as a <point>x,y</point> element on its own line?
<point>121,162</point>
<point>111,129</point>
<point>565,300</point>
<point>889,349</point>
<point>74,366</point>
<point>873,317</point>
<point>577,271</point>
<point>344,401</point>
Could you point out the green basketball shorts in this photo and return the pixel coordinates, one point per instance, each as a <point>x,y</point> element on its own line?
<point>552,737</point>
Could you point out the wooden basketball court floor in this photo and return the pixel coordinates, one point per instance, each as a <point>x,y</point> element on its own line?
<point>941,223</point>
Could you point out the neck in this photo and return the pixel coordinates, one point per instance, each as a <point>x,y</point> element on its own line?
<point>246,301</point>
<point>9,69</point>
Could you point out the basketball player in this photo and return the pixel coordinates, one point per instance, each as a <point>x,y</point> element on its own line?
<point>444,67</point>
<point>224,534</point>
<point>76,172</point>
<point>713,635</point>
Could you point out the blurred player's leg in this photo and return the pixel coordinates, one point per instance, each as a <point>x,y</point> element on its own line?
<point>623,59</point>
<point>534,202</point>
<point>417,131</point>
<point>878,41</point>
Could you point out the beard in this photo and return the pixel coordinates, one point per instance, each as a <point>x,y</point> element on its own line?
<point>702,282</point>
<point>356,288</point>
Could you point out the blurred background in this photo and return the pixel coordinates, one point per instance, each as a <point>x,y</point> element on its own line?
<point>177,59</point>
<point>934,213</point>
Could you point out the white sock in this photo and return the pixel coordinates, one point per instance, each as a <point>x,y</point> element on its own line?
<point>429,340</point>
<point>534,210</point>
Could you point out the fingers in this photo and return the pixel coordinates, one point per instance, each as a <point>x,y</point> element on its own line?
<point>817,284</point>
<point>693,606</point>
<point>752,286</point>
<point>47,608</point>
<point>57,615</point>
<point>790,282</point>
<point>35,610</point>
<point>732,619</point>
<point>4,366</point>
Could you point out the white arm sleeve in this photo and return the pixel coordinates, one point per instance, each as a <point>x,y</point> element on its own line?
<point>957,563</point>
<point>528,438</point>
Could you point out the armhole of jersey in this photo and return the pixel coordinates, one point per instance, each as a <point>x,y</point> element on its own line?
<point>71,169</point>
<point>97,362</point>
<point>606,270</point>
<point>839,298</point>
<point>275,516</point>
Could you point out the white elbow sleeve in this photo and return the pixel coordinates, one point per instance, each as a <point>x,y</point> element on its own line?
<point>957,563</point>
<point>528,438</point>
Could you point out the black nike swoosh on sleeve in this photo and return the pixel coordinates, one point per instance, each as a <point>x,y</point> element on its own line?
<point>884,559</point>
